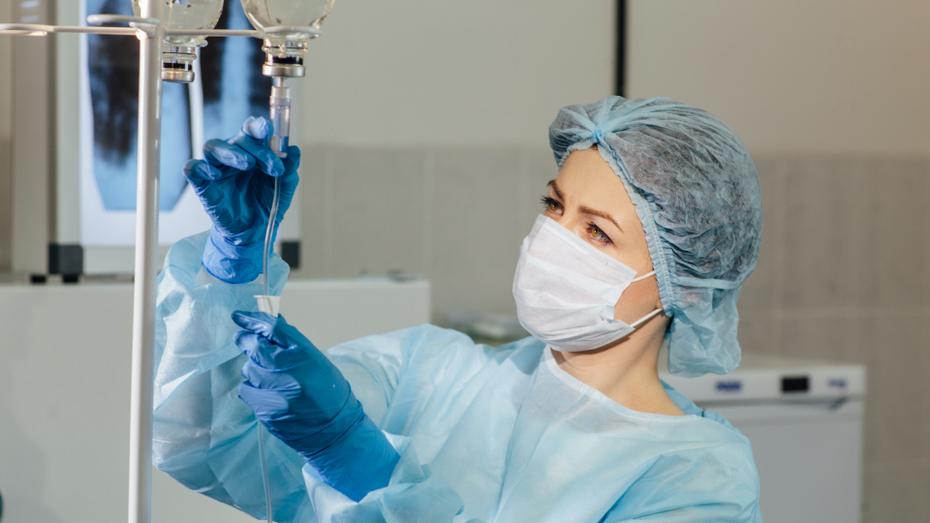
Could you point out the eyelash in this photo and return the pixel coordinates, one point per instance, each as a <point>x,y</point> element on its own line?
<point>552,205</point>
<point>598,235</point>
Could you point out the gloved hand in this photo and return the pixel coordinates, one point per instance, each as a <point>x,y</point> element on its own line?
<point>303,399</point>
<point>235,183</point>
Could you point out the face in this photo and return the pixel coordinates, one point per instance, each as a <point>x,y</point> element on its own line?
<point>588,199</point>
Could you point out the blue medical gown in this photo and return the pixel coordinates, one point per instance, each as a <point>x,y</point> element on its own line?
<point>484,433</point>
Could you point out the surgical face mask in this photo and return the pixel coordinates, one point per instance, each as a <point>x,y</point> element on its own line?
<point>566,290</point>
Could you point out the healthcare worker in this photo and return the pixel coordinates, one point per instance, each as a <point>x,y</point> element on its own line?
<point>644,239</point>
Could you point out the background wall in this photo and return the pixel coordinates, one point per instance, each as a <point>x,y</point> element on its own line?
<point>480,72</point>
<point>428,124</point>
<point>429,130</point>
<point>457,215</point>
<point>839,76</point>
<point>831,97</point>
<point>6,46</point>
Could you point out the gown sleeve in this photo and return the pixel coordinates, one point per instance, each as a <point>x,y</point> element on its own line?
<point>206,438</point>
<point>396,376</point>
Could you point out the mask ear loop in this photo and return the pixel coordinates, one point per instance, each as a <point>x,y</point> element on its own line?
<point>646,318</point>
<point>649,316</point>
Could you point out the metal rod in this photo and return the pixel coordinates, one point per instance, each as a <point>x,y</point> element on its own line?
<point>143,313</point>
<point>213,32</point>
<point>195,110</point>
<point>141,24</point>
<point>103,18</point>
<point>43,30</point>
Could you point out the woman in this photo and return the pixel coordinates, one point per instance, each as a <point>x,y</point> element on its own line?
<point>646,235</point>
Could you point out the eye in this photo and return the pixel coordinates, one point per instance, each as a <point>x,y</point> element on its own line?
<point>551,205</point>
<point>598,235</point>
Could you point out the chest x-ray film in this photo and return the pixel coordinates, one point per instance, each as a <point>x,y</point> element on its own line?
<point>232,88</point>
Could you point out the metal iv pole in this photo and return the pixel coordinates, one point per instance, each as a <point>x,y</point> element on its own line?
<point>150,33</point>
<point>143,308</point>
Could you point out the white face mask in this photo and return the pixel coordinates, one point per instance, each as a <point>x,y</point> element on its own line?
<point>566,290</point>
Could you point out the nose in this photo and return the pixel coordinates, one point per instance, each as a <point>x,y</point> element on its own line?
<point>572,220</point>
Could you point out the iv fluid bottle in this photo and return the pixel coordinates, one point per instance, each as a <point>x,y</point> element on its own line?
<point>284,51</point>
<point>295,13</point>
<point>180,51</point>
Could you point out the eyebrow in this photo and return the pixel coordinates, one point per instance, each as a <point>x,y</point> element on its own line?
<point>555,188</point>
<point>584,209</point>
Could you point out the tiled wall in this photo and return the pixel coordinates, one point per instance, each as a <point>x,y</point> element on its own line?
<point>6,188</point>
<point>6,206</point>
<point>457,216</point>
<point>844,272</point>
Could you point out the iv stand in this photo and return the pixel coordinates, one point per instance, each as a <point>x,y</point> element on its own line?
<point>150,33</point>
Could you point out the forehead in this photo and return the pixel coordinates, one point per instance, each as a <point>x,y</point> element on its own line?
<point>586,179</point>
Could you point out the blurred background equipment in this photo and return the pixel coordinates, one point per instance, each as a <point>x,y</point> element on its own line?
<point>52,448</point>
<point>804,419</point>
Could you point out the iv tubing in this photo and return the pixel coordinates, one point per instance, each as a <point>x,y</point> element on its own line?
<point>269,231</point>
<point>280,113</point>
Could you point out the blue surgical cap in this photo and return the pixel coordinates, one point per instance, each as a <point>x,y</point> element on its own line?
<point>697,195</point>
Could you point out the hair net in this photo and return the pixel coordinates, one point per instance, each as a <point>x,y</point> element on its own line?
<point>697,195</point>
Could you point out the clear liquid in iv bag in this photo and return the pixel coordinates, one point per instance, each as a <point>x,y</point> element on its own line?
<point>184,14</point>
<point>293,13</point>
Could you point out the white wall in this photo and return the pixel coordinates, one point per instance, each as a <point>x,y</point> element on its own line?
<point>837,76</point>
<point>443,72</point>
<point>832,97</point>
<point>6,46</point>
<point>5,117</point>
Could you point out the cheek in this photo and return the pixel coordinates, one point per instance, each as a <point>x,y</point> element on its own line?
<point>633,251</point>
<point>637,300</point>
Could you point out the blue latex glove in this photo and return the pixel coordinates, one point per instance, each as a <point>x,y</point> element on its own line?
<point>235,184</point>
<point>305,402</point>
